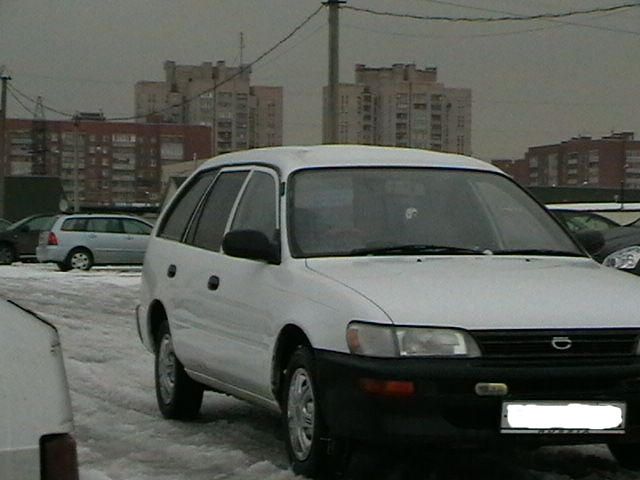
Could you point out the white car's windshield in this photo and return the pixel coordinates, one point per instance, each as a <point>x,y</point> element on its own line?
<point>396,211</point>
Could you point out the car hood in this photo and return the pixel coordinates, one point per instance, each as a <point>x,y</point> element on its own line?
<point>491,292</point>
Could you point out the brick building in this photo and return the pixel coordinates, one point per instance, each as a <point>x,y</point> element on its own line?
<point>402,106</point>
<point>518,169</point>
<point>607,162</point>
<point>118,163</point>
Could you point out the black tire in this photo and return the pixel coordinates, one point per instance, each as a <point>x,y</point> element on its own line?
<point>79,259</point>
<point>178,395</point>
<point>63,267</point>
<point>311,451</point>
<point>626,454</point>
<point>7,254</point>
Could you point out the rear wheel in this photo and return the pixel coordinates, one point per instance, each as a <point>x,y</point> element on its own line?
<point>7,254</point>
<point>627,454</point>
<point>79,259</point>
<point>178,395</point>
<point>63,267</point>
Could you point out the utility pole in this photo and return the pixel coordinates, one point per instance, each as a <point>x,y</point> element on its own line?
<point>76,164</point>
<point>241,48</point>
<point>3,125</point>
<point>334,69</point>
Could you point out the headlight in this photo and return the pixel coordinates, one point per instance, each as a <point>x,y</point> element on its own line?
<point>625,258</point>
<point>390,341</point>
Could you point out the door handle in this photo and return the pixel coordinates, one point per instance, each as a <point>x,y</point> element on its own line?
<point>171,271</point>
<point>213,283</point>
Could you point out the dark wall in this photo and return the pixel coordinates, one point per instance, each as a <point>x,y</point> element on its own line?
<point>23,196</point>
<point>583,194</point>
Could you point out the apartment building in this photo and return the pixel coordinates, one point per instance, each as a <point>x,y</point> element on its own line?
<point>241,115</point>
<point>609,162</point>
<point>402,106</point>
<point>118,163</point>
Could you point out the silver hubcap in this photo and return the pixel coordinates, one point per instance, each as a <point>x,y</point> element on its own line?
<point>166,369</point>
<point>300,414</point>
<point>80,260</point>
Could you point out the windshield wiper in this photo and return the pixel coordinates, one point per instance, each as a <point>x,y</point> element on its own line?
<point>414,249</point>
<point>547,252</point>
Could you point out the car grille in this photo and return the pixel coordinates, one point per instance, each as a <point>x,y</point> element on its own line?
<point>568,343</point>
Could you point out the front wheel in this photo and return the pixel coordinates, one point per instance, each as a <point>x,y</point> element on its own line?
<point>626,454</point>
<point>7,254</point>
<point>178,395</point>
<point>307,437</point>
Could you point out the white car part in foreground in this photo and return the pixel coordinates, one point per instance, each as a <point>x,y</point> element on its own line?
<point>36,421</point>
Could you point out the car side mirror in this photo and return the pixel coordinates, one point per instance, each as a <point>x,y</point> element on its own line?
<point>591,240</point>
<point>251,244</point>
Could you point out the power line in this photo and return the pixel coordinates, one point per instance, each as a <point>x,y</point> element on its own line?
<point>471,35</point>
<point>296,45</point>
<point>556,24</point>
<point>32,100</point>
<point>505,18</point>
<point>17,99</point>
<point>240,71</point>
<point>559,22</point>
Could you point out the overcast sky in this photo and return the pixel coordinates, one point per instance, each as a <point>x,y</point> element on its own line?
<point>532,82</point>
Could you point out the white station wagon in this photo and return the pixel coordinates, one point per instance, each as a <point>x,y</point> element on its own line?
<point>387,295</point>
<point>36,424</point>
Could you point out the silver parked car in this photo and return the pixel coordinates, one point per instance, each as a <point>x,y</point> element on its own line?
<point>80,241</point>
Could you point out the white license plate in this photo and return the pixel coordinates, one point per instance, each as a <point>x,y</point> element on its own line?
<point>550,417</point>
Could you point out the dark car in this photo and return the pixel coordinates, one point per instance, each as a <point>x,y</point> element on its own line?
<point>579,221</point>
<point>4,223</point>
<point>20,239</point>
<point>621,248</point>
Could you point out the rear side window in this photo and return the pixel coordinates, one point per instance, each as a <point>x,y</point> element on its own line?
<point>180,210</point>
<point>74,225</point>
<point>105,225</point>
<point>213,218</point>
<point>135,227</point>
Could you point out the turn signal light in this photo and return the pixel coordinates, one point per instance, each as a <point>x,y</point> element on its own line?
<point>387,388</point>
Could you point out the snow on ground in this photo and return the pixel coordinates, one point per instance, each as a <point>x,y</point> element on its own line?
<point>121,435</point>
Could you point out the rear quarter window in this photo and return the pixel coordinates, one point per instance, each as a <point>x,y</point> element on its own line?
<point>74,225</point>
<point>182,208</point>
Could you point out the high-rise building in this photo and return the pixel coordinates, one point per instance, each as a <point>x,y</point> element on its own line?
<point>117,163</point>
<point>402,106</point>
<point>242,116</point>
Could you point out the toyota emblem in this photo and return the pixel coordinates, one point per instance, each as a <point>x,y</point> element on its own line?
<point>561,343</point>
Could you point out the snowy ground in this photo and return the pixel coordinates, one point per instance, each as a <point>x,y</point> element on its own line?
<point>121,435</point>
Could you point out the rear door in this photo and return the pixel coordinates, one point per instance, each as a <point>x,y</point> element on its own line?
<point>137,236</point>
<point>195,311</point>
<point>106,240</point>
<point>167,275</point>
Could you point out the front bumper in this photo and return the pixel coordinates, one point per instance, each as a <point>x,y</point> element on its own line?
<point>445,408</point>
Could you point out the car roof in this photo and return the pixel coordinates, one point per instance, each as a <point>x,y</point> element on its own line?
<point>289,159</point>
<point>101,215</point>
